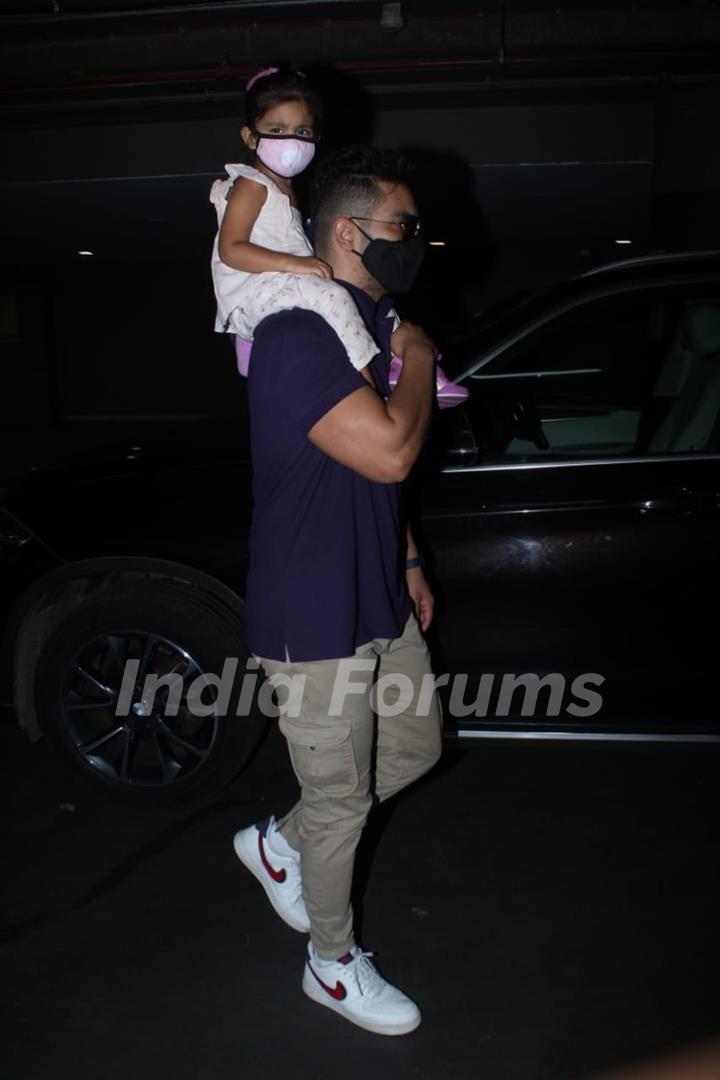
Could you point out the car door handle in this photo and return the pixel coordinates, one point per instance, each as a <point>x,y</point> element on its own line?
<point>679,501</point>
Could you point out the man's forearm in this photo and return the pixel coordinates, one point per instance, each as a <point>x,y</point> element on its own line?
<point>382,440</point>
<point>410,404</point>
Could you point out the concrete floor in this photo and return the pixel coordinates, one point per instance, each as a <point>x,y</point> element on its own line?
<point>551,907</point>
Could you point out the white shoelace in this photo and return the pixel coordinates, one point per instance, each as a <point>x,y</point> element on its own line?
<point>369,979</point>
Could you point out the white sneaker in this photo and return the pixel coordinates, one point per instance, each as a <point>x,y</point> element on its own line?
<point>353,987</point>
<point>270,858</point>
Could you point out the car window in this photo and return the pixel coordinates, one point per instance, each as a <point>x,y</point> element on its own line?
<point>624,374</point>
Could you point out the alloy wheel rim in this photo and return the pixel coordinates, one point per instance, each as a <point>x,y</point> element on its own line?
<point>156,739</point>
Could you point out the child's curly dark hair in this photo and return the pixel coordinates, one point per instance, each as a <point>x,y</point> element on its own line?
<point>282,85</point>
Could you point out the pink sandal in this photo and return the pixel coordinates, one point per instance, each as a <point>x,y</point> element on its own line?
<point>448,393</point>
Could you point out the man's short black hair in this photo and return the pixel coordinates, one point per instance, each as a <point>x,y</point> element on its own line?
<point>346,185</point>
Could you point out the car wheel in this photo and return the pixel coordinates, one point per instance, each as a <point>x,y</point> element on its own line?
<point>103,701</point>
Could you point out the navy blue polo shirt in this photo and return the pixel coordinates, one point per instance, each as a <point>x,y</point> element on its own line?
<point>326,551</point>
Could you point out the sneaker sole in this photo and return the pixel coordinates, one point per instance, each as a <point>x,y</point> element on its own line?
<point>315,994</point>
<point>245,851</point>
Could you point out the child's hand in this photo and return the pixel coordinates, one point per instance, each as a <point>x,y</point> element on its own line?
<point>309,264</point>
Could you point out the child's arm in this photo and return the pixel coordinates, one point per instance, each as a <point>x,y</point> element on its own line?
<point>243,206</point>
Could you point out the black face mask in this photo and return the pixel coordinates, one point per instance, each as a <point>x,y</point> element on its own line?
<point>393,263</point>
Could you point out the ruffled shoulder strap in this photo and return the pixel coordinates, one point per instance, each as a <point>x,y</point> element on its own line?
<point>234,171</point>
<point>221,189</point>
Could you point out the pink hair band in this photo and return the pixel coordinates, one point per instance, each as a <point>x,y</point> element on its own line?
<point>261,75</point>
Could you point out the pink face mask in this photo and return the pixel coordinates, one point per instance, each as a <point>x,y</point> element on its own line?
<point>283,154</point>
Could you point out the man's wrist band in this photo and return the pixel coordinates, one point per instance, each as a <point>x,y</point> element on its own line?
<point>414,563</point>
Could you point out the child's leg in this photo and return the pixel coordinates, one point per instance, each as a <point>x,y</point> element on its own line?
<point>280,292</point>
<point>242,353</point>
<point>264,294</point>
<point>337,307</point>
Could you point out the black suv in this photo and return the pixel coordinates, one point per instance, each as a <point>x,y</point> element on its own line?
<point>569,514</point>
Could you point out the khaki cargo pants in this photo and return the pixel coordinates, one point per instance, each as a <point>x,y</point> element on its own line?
<point>332,758</point>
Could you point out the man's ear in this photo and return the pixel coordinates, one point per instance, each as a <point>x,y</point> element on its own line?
<point>344,233</point>
<point>248,138</point>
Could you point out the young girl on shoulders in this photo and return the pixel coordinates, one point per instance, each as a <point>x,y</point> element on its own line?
<point>262,261</point>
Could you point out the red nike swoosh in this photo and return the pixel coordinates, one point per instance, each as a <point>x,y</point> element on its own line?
<point>339,992</point>
<point>276,875</point>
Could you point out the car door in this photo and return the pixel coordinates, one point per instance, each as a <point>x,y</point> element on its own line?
<point>573,531</point>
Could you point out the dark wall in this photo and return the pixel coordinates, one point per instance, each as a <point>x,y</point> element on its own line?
<point>519,193</point>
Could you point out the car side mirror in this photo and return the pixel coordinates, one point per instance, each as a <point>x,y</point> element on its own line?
<point>452,441</point>
<point>499,416</point>
<point>526,423</point>
<point>483,427</point>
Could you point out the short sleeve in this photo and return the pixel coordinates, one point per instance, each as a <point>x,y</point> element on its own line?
<point>299,363</point>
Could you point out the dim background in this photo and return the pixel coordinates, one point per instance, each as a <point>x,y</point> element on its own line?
<point>542,135</point>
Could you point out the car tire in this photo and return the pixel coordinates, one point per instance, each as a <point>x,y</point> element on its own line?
<point>139,756</point>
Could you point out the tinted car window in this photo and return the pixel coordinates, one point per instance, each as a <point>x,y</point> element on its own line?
<point>632,373</point>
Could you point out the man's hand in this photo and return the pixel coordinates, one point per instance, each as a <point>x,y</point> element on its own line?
<point>421,596</point>
<point>409,336</point>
